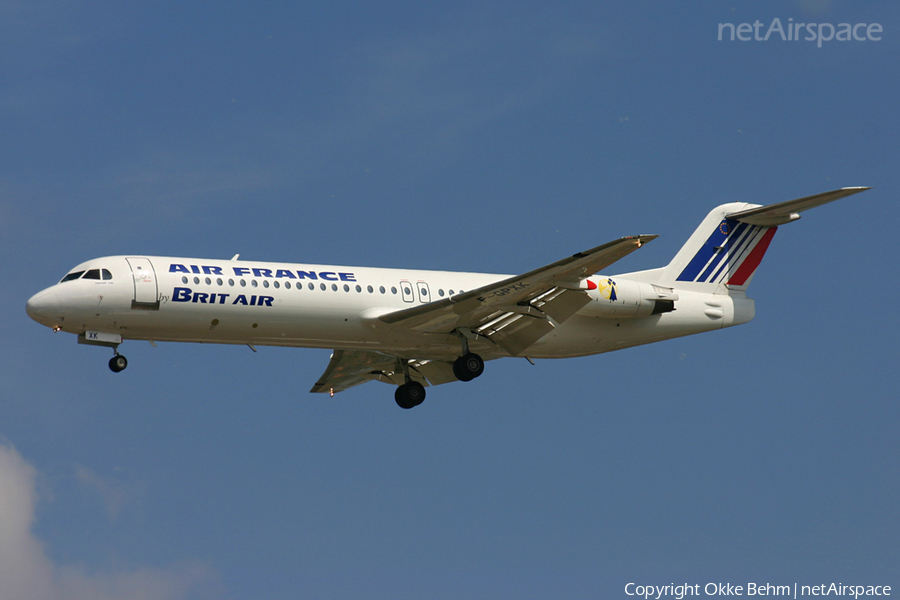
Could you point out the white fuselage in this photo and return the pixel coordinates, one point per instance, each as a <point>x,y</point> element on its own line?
<point>299,305</point>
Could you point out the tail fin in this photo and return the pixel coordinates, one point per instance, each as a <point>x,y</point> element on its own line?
<point>725,250</point>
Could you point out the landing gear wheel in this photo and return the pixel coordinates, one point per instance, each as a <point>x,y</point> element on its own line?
<point>410,395</point>
<point>118,363</point>
<point>468,367</point>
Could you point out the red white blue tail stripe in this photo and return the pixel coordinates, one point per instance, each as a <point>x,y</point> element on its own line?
<point>730,255</point>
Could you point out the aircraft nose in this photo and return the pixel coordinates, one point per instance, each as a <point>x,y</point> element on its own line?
<point>43,307</point>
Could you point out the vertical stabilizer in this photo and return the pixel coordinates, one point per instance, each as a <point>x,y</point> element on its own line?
<point>724,252</point>
<point>721,252</point>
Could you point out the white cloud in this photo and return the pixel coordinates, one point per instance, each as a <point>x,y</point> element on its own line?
<point>26,572</point>
<point>113,494</point>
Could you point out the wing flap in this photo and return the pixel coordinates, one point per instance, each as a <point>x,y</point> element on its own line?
<point>516,328</point>
<point>435,371</point>
<point>349,368</point>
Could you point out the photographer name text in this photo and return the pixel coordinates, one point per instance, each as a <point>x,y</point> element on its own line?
<point>678,592</point>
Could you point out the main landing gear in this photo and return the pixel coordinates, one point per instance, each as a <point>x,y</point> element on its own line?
<point>468,367</point>
<point>410,394</point>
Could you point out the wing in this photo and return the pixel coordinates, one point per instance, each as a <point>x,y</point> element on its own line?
<point>518,311</point>
<point>349,368</point>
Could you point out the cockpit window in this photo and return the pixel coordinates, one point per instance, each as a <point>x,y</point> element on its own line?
<point>72,276</point>
<point>103,274</point>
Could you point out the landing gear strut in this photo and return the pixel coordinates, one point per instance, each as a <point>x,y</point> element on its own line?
<point>118,363</point>
<point>468,366</point>
<point>411,393</point>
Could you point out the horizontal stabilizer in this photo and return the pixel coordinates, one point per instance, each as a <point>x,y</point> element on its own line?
<point>785,212</point>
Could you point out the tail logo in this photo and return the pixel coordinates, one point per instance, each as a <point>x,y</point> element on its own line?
<point>730,255</point>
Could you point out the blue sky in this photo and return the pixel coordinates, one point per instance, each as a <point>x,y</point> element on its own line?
<point>490,137</point>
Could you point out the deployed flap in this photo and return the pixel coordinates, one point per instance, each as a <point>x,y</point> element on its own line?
<point>352,367</point>
<point>785,212</point>
<point>518,311</point>
<point>349,368</point>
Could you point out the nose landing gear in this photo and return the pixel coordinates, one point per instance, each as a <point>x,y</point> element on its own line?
<point>118,363</point>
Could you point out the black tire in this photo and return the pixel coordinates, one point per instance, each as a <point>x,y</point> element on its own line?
<point>458,373</point>
<point>409,395</point>
<point>468,367</point>
<point>118,363</point>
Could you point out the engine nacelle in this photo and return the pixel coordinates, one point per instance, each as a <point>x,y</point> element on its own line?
<point>616,298</point>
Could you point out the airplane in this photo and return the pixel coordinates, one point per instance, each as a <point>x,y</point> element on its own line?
<point>414,328</point>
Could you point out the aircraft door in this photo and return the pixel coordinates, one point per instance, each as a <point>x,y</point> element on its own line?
<point>406,291</point>
<point>424,292</point>
<point>146,291</point>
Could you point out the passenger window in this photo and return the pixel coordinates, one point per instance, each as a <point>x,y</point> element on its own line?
<point>346,288</point>
<point>276,284</point>
<point>311,286</point>
<point>393,290</point>
<point>92,274</point>
<point>369,289</point>
<point>441,293</point>
<point>218,281</point>
<point>184,279</point>
<point>333,287</point>
<point>72,276</point>
<point>196,280</point>
<point>254,284</point>
<point>287,285</point>
<point>381,289</point>
<point>265,283</point>
<point>322,285</point>
<point>231,283</point>
<point>243,283</point>
<point>359,289</point>
<point>106,274</point>
<point>208,281</point>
